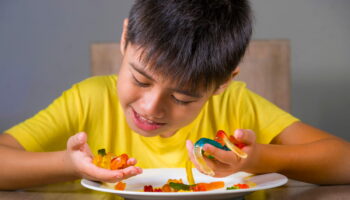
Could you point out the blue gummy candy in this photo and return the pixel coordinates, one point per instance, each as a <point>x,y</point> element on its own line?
<point>202,141</point>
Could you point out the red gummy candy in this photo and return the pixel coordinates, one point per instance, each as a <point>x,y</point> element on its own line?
<point>148,188</point>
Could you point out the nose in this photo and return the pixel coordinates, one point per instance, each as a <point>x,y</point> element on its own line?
<point>152,105</point>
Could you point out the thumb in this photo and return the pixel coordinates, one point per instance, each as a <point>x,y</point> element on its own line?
<point>189,146</point>
<point>77,141</point>
<point>245,136</point>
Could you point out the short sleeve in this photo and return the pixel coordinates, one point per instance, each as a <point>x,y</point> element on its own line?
<point>263,117</point>
<point>50,128</point>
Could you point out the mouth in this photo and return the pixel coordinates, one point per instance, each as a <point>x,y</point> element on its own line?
<point>144,123</point>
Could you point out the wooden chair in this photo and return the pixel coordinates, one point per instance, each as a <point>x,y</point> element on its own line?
<point>265,67</point>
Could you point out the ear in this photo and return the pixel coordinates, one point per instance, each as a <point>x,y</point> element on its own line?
<point>123,37</point>
<point>223,86</point>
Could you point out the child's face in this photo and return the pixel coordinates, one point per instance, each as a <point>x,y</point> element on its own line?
<point>153,105</point>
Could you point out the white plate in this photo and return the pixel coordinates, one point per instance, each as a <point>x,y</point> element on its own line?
<point>158,177</point>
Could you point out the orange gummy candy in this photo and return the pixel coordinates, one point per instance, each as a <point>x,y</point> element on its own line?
<point>120,186</point>
<point>119,162</point>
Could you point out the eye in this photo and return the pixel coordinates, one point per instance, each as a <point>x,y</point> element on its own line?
<point>139,83</point>
<point>180,102</point>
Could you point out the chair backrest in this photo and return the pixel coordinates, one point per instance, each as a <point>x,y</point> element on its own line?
<point>265,67</point>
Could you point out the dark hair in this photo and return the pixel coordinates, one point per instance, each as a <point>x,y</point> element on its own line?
<point>195,43</point>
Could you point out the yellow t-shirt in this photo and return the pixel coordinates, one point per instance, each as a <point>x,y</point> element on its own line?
<point>93,106</point>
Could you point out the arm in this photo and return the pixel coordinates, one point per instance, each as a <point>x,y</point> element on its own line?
<point>306,153</point>
<point>21,169</point>
<point>300,152</point>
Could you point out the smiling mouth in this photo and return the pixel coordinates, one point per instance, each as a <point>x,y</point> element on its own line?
<point>144,123</point>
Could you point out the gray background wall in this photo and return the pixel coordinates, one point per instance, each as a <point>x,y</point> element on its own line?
<point>44,49</point>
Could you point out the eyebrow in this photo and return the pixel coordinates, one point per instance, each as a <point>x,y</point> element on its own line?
<point>137,68</point>
<point>185,92</point>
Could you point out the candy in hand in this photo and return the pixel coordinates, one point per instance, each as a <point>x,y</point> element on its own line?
<point>231,143</point>
<point>110,160</point>
<point>222,141</point>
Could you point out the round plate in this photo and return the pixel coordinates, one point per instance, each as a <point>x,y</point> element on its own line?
<point>158,177</point>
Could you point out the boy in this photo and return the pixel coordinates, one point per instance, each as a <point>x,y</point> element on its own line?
<point>174,85</point>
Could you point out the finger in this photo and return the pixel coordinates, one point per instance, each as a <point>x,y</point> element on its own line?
<point>131,161</point>
<point>220,169</point>
<point>93,172</point>
<point>223,167</point>
<point>225,157</point>
<point>245,136</point>
<point>189,146</point>
<point>76,141</point>
<point>100,174</point>
<point>131,171</point>
<point>87,149</point>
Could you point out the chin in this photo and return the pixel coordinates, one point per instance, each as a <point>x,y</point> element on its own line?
<point>142,132</point>
<point>146,133</point>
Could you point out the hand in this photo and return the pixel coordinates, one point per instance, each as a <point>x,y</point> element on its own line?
<point>227,162</point>
<point>79,159</point>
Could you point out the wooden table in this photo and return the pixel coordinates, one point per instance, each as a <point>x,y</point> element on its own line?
<point>292,190</point>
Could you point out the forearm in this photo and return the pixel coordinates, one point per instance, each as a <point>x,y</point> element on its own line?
<point>322,162</point>
<point>21,169</point>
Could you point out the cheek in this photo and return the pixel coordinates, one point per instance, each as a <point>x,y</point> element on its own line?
<point>185,115</point>
<point>126,92</point>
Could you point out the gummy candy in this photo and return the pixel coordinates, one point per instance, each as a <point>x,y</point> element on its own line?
<point>110,160</point>
<point>174,185</point>
<point>120,186</point>
<point>238,186</point>
<point>222,141</point>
